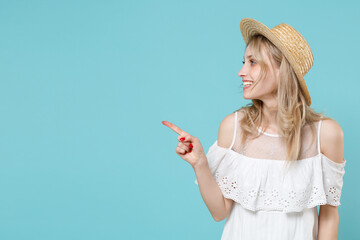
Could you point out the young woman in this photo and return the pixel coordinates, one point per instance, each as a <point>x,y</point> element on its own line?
<point>275,160</point>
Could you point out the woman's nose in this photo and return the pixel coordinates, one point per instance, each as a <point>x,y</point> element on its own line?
<point>241,73</point>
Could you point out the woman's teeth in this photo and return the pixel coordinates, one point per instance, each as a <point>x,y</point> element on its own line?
<point>247,83</point>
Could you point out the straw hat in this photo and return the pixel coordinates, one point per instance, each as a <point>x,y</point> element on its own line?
<point>289,41</point>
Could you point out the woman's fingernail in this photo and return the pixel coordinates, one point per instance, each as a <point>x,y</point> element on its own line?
<point>190,146</point>
<point>190,149</point>
<point>182,139</point>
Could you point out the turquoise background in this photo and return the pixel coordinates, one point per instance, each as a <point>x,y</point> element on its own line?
<point>86,84</point>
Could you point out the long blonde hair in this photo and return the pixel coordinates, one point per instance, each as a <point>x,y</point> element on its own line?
<point>292,111</point>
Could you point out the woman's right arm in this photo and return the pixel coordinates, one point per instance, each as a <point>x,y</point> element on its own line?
<point>190,149</point>
<point>218,206</point>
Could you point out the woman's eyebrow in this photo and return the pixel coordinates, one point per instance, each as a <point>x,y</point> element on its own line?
<point>249,56</point>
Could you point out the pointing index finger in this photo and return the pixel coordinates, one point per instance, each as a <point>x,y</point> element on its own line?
<point>173,127</point>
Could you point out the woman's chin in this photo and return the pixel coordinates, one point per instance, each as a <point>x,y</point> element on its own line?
<point>245,96</point>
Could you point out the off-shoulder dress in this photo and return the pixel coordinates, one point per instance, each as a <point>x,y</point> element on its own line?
<point>273,200</point>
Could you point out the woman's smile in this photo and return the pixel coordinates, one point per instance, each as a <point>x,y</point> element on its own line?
<point>247,84</point>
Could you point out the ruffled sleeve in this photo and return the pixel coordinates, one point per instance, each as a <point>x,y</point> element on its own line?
<point>215,156</point>
<point>333,174</point>
<point>261,184</point>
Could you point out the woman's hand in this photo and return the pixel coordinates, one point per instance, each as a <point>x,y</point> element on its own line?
<point>189,147</point>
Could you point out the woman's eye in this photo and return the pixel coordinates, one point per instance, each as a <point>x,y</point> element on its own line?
<point>250,61</point>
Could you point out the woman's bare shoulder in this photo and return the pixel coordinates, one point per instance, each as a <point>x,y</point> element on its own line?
<point>332,140</point>
<point>226,129</point>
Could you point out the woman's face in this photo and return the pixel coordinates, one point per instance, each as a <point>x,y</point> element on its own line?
<point>264,90</point>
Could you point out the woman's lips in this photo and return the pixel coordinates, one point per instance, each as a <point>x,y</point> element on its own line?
<point>247,85</point>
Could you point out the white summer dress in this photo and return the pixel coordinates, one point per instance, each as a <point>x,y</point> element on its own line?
<point>273,201</point>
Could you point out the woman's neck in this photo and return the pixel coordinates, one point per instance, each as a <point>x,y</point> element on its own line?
<point>270,111</point>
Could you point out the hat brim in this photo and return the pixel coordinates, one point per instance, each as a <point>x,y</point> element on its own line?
<point>250,27</point>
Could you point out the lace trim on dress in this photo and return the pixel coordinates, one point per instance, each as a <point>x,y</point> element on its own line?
<point>260,184</point>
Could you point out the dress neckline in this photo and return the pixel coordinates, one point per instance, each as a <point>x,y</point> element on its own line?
<point>281,160</point>
<point>267,134</point>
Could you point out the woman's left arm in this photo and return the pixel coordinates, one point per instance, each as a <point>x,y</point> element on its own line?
<point>332,146</point>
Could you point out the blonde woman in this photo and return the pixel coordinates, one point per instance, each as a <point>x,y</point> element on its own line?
<point>275,160</point>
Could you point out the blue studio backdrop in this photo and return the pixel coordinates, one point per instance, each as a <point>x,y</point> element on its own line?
<point>86,84</point>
